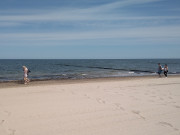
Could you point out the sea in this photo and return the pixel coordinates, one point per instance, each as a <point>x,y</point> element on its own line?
<point>53,69</point>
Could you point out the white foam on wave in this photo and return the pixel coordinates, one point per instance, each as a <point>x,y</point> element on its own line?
<point>131,72</point>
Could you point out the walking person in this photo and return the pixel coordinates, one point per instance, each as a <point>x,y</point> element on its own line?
<point>159,69</point>
<point>165,70</point>
<point>26,80</point>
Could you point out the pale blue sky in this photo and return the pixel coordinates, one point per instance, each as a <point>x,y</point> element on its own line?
<point>89,29</point>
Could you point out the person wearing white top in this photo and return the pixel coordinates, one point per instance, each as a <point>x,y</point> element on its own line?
<point>26,80</point>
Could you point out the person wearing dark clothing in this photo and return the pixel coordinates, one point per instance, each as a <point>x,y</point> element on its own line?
<point>165,70</point>
<point>159,69</point>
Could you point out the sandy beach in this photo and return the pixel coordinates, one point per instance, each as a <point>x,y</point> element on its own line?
<point>137,106</point>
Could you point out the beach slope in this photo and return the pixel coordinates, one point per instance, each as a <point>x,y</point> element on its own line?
<point>144,106</point>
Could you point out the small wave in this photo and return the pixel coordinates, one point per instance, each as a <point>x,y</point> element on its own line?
<point>174,72</point>
<point>131,72</point>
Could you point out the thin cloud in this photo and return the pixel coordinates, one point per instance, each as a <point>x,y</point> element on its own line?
<point>10,24</point>
<point>79,17</point>
<point>152,32</point>
<point>101,12</point>
<point>119,4</point>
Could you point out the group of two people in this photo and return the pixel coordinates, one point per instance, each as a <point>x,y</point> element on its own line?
<point>160,69</point>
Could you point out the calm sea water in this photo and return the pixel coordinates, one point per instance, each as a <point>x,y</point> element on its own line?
<point>77,69</point>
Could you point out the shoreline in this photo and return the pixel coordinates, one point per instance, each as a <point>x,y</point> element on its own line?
<point>38,82</point>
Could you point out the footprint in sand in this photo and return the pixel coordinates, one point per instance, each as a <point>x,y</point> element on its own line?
<point>8,113</point>
<point>176,106</point>
<point>100,100</point>
<point>2,121</point>
<point>87,96</point>
<point>138,113</point>
<point>9,131</point>
<point>5,113</point>
<point>168,125</point>
<point>118,106</point>
<point>165,124</point>
<point>12,132</point>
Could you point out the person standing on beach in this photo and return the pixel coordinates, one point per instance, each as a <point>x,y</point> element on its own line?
<point>26,80</point>
<point>159,69</point>
<point>165,70</point>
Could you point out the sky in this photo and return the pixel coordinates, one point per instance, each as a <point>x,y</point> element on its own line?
<point>89,29</point>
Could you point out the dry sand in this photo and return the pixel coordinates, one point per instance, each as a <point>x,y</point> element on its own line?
<point>141,106</point>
